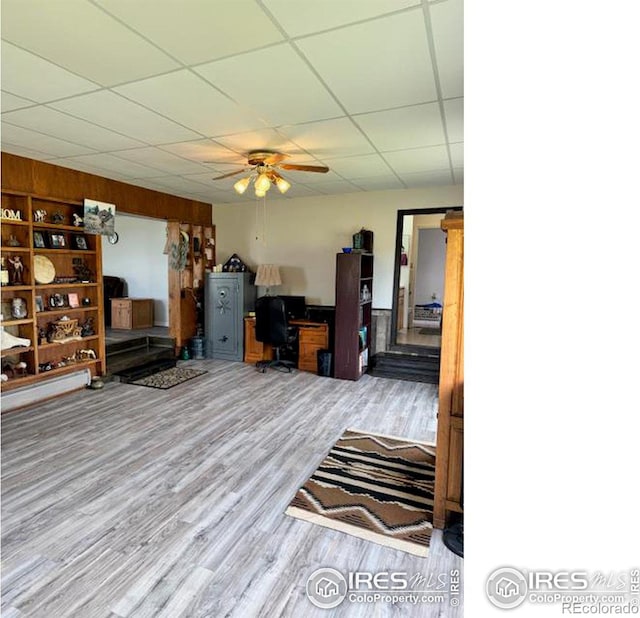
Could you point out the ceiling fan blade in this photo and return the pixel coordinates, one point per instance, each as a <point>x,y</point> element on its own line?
<point>304,168</point>
<point>230,174</point>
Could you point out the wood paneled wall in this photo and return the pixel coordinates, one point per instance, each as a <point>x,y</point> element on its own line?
<point>46,179</point>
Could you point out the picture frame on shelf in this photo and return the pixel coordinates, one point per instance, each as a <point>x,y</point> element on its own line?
<point>57,241</point>
<point>39,240</point>
<point>80,242</point>
<point>39,304</point>
<point>73,300</point>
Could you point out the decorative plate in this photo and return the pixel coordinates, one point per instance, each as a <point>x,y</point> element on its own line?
<point>43,269</point>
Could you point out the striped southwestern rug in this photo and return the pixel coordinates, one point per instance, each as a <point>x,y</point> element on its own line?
<point>376,487</point>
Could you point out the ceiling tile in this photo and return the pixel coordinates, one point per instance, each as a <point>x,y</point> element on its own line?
<point>178,183</point>
<point>454,117</point>
<point>10,102</point>
<point>315,17</point>
<point>160,160</point>
<point>388,66</point>
<point>358,167</point>
<point>425,179</point>
<point>333,188</point>
<point>19,68</point>
<point>110,110</point>
<point>448,37</point>
<point>338,137</point>
<point>81,38</point>
<point>431,158</point>
<point>190,101</point>
<point>116,165</point>
<point>215,29</point>
<point>458,174</point>
<point>457,154</point>
<point>378,183</point>
<point>57,124</point>
<point>289,93</point>
<point>51,146</point>
<point>202,151</point>
<point>21,151</point>
<point>399,129</point>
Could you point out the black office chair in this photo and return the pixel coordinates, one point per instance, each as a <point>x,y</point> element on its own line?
<point>272,327</point>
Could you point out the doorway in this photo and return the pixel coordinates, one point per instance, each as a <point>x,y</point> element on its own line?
<point>416,317</point>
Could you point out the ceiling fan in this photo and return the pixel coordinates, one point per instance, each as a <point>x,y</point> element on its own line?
<point>262,165</point>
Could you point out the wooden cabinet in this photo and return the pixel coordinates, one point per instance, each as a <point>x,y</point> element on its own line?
<point>450,440</point>
<point>354,287</point>
<point>130,313</point>
<point>56,295</point>
<point>254,350</point>
<point>312,336</point>
<point>192,254</point>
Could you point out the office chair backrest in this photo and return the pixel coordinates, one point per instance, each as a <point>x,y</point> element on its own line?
<point>271,320</point>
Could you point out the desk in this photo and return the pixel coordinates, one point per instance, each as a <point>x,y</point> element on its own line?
<point>312,336</point>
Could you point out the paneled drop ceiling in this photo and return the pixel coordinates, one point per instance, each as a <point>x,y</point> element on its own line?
<point>149,92</point>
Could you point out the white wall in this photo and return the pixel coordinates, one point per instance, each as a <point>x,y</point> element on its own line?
<point>303,235</point>
<point>138,259</point>
<point>405,271</point>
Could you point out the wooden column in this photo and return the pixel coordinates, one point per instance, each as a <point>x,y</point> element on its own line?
<point>449,451</point>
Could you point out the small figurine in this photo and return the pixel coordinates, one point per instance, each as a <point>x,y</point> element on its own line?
<point>39,216</point>
<point>17,268</point>
<point>77,220</point>
<point>82,271</point>
<point>87,328</point>
<point>13,241</point>
<point>58,218</point>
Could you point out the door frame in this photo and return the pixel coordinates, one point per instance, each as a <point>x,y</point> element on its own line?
<point>396,266</point>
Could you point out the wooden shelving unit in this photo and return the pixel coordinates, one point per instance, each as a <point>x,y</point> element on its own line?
<point>45,359</point>
<point>354,286</point>
<point>197,245</point>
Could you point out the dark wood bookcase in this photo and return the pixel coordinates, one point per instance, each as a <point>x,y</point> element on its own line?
<point>354,287</point>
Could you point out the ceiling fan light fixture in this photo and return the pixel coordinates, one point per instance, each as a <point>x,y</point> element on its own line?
<point>263,183</point>
<point>260,193</point>
<point>241,185</point>
<point>282,184</point>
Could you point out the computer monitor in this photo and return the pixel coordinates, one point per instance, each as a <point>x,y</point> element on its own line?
<point>295,307</point>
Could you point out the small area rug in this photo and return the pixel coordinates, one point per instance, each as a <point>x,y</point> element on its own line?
<point>376,487</point>
<point>169,377</point>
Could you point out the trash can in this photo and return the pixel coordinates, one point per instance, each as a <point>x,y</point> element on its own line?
<point>324,363</point>
<point>197,348</point>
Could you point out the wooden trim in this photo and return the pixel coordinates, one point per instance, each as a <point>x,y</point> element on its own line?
<point>449,456</point>
<point>21,176</point>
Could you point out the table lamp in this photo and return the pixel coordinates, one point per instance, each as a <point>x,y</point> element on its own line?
<point>268,275</point>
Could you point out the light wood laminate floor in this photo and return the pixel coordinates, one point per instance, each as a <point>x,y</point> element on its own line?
<point>132,501</point>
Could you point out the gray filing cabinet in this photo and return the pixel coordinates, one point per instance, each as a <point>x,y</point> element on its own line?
<point>228,297</point>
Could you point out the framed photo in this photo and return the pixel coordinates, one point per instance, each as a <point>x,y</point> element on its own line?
<point>39,241</point>
<point>57,241</point>
<point>73,300</point>
<point>80,242</point>
<point>39,304</point>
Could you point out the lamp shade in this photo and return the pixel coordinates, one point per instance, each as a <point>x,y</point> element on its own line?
<point>268,275</point>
